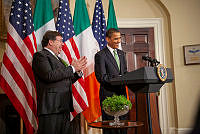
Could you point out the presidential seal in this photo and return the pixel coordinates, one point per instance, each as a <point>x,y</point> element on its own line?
<point>162,72</point>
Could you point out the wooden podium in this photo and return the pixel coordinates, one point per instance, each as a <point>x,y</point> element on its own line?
<point>145,82</point>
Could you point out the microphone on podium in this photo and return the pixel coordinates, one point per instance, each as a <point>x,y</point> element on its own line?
<point>153,62</point>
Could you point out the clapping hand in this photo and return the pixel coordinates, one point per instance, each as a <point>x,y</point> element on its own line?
<point>79,64</point>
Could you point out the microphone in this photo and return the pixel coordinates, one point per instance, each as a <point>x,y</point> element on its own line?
<point>147,58</point>
<point>153,62</point>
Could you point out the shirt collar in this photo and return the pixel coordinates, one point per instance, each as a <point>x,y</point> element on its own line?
<point>111,49</point>
<point>50,51</point>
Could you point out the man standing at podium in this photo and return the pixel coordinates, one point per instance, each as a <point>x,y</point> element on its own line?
<point>110,62</point>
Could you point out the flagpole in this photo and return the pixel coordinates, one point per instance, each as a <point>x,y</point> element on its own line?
<point>21,126</point>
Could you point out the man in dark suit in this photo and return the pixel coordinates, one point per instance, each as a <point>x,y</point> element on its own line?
<point>110,62</point>
<point>54,81</point>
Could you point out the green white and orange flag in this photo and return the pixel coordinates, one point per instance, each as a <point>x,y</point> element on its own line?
<point>88,46</point>
<point>43,20</point>
<point>111,22</point>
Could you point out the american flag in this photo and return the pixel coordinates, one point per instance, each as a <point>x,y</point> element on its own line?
<point>64,26</point>
<point>99,24</point>
<point>16,77</point>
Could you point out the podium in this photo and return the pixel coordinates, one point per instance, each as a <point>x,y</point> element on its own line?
<point>145,82</point>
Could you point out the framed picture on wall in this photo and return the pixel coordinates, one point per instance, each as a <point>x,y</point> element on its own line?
<point>191,54</point>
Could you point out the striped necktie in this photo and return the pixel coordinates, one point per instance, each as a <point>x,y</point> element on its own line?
<point>64,62</point>
<point>116,58</point>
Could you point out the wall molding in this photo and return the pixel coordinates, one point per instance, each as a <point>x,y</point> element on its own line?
<point>173,130</point>
<point>183,130</point>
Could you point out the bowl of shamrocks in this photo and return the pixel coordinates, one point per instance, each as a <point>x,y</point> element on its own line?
<point>116,106</point>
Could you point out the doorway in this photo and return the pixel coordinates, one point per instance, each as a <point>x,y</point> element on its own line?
<point>138,42</point>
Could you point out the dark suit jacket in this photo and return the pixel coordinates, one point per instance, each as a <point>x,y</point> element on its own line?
<point>106,68</point>
<point>53,83</point>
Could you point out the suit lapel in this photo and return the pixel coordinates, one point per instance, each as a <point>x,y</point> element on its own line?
<point>55,60</point>
<point>111,58</point>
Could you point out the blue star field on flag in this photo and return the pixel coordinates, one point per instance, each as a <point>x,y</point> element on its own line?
<point>21,17</point>
<point>99,24</point>
<point>64,23</point>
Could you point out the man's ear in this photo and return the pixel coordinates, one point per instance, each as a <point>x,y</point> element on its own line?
<point>107,39</point>
<point>50,42</point>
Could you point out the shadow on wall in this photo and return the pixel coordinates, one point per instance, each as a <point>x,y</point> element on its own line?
<point>196,126</point>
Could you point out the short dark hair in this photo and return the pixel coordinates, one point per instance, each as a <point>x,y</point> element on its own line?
<point>49,35</point>
<point>110,32</point>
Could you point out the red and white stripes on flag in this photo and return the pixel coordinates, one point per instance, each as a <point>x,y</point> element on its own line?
<point>16,78</point>
<point>64,26</point>
<point>80,102</point>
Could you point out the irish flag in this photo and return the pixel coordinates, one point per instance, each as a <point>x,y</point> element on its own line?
<point>88,46</point>
<point>111,22</point>
<point>43,20</point>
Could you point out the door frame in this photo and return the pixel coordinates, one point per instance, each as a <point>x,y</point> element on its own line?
<point>157,24</point>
